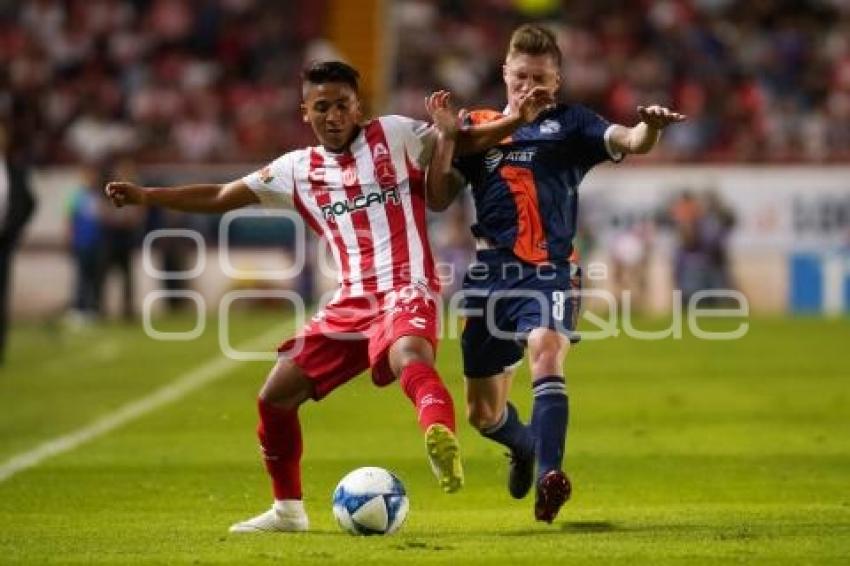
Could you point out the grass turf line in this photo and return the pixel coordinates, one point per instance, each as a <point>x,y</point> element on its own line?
<point>680,451</point>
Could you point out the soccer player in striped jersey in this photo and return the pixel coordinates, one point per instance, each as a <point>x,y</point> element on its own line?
<point>523,290</point>
<point>362,189</point>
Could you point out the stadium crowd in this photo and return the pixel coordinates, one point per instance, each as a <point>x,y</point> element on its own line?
<point>761,81</point>
<point>169,80</point>
<point>213,80</point>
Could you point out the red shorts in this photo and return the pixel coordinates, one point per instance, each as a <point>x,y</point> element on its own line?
<point>352,334</point>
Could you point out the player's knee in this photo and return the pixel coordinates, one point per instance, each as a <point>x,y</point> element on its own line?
<point>409,350</point>
<point>547,350</point>
<point>267,395</point>
<point>280,399</point>
<point>413,356</point>
<point>482,415</point>
<point>545,340</point>
<point>404,358</point>
<point>286,387</point>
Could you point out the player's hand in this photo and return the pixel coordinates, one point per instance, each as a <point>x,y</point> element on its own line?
<point>659,117</point>
<point>122,193</point>
<point>533,102</point>
<point>439,107</point>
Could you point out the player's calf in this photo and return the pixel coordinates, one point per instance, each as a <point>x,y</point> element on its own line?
<point>510,432</point>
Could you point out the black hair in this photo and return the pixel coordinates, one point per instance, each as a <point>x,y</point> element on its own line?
<point>322,72</point>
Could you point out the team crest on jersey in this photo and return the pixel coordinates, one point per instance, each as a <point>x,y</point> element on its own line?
<point>492,159</point>
<point>349,175</point>
<point>380,150</point>
<point>385,172</point>
<point>550,127</point>
<point>266,174</point>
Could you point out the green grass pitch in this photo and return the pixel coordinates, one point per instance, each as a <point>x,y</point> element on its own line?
<point>680,451</point>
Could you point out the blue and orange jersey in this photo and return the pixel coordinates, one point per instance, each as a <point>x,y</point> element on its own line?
<point>526,188</point>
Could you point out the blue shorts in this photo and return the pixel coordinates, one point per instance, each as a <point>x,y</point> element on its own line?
<point>505,299</point>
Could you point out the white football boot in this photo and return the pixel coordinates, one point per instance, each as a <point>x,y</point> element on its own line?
<point>286,516</point>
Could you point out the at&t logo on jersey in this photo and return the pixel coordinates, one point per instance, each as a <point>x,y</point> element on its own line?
<point>492,159</point>
<point>522,155</point>
<point>347,206</point>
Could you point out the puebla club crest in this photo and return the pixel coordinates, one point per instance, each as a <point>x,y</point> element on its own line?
<point>550,127</point>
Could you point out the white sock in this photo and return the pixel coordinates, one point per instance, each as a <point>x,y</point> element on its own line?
<point>289,506</point>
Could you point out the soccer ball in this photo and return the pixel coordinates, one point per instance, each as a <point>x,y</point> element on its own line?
<point>370,501</point>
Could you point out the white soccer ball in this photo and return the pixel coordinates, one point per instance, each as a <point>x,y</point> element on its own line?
<point>370,501</point>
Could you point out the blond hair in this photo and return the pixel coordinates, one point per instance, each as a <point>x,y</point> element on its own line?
<point>532,39</point>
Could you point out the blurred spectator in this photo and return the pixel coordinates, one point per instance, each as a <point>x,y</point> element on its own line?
<point>630,249</point>
<point>175,253</point>
<point>690,262</point>
<point>716,224</point>
<point>760,81</point>
<point>170,80</point>
<point>212,79</point>
<point>702,226</point>
<point>95,135</point>
<point>84,213</point>
<point>16,208</point>
<point>120,232</point>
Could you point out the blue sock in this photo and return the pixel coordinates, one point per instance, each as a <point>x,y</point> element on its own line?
<point>549,419</point>
<point>510,432</point>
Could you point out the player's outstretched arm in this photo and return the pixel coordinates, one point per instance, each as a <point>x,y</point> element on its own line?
<point>189,198</point>
<point>481,137</point>
<point>644,136</point>
<point>442,181</point>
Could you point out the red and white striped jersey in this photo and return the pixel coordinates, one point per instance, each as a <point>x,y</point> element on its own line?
<point>367,202</point>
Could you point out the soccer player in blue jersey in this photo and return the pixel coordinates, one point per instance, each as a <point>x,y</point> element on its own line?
<point>522,292</point>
